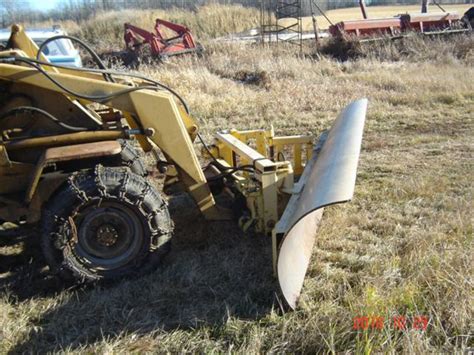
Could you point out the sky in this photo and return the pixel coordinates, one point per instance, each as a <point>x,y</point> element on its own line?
<point>44,4</point>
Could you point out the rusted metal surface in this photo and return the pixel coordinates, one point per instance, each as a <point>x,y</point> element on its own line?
<point>161,45</point>
<point>68,153</point>
<point>429,22</point>
<point>328,179</point>
<point>82,151</point>
<point>63,139</point>
<point>368,27</point>
<point>391,26</point>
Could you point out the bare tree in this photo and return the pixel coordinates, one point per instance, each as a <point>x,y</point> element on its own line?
<point>12,11</point>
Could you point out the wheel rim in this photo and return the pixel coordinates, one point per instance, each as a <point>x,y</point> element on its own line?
<point>109,236</point>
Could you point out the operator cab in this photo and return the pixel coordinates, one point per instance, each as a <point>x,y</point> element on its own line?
<point>61,51</point>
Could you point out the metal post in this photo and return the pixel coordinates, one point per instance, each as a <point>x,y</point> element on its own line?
<point>266,20</point>
<point>363,8</point>
<point>293,31</point>
<point>315,24</point>
<point>424,6</point>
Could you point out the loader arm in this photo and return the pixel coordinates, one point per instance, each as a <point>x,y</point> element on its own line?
<point>154,110</point>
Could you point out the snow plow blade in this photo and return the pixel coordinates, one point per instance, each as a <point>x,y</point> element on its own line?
<point>328,178</point>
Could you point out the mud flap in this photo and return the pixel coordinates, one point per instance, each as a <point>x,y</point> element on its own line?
<point>329,178</point>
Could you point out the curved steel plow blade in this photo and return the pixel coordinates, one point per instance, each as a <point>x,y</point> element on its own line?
<point>329,178</point>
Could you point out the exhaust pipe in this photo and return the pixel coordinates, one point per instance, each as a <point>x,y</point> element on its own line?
<point>329,178</point>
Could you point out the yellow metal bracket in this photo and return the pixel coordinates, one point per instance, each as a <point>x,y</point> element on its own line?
<point>276,178</point>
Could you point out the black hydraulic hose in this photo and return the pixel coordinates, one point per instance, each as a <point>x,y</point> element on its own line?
<point>37,65</point>
<point>31,109</point>
<point>93,54</point>
<point>226,174</point>
<point>117,73</point>
<point>98,98</point>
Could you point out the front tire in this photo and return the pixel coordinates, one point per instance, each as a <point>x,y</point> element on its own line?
<point>105,224</point>
<point>131,157</point>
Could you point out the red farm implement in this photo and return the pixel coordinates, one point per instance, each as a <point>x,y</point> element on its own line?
<point>401,25</point>
<point>161,46</point>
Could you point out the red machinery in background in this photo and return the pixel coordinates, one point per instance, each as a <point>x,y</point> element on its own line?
<point>393,26</point>
<point>430,23</point>
<point>160,45</point>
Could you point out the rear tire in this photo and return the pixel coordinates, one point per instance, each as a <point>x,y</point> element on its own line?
<point>105,224</point>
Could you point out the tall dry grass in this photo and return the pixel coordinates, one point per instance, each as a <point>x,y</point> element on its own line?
<point>414,48</point>
<point>105,30</point>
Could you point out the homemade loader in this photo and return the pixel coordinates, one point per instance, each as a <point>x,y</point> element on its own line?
<point>67,162</point>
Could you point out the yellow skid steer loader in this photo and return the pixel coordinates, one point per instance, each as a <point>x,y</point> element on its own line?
<point>68,163</point>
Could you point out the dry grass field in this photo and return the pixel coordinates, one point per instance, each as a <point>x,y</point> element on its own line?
<point>403,247</point>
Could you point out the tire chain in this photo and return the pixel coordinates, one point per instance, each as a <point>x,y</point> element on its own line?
<point>135,157</point>
<point>62,236</point>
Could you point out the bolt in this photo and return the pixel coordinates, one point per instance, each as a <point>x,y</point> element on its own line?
<point>271,223</point>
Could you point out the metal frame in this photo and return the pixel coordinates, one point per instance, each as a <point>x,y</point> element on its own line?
<point>426,23</point>
<point>271,31</point>
<point>68,153</point>
<point>274,172</point>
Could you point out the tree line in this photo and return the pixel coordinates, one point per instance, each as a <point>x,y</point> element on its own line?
<point>12,11</point>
